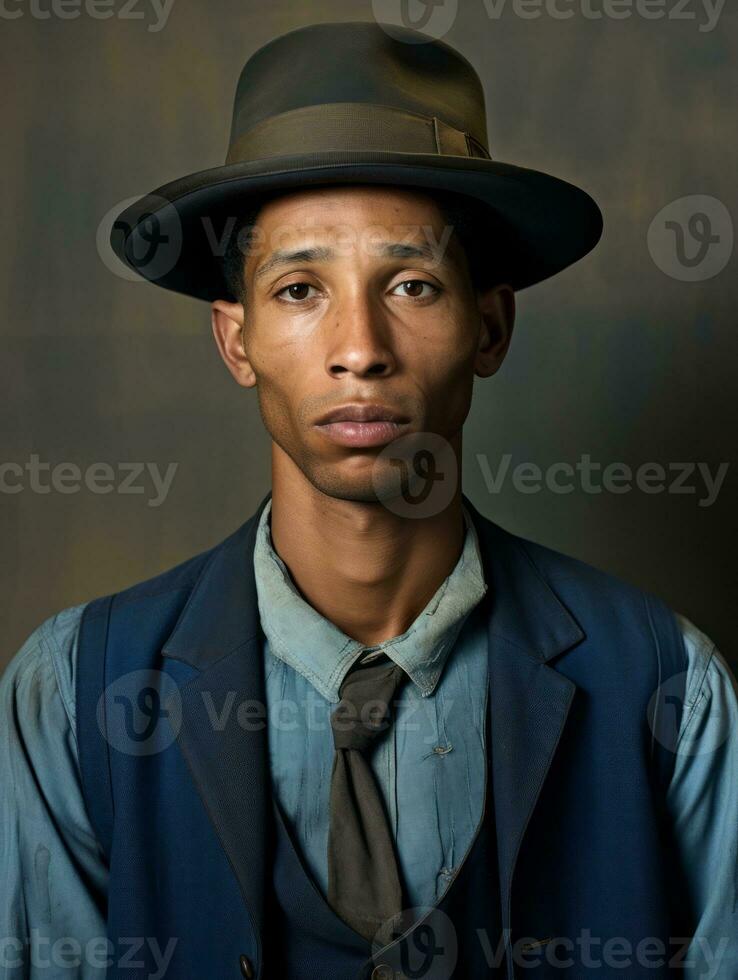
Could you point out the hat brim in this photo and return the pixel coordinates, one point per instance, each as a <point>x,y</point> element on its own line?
<point>174,236</point>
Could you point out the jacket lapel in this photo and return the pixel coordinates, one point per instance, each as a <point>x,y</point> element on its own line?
<point>223,730</point>
<point>529,700</point>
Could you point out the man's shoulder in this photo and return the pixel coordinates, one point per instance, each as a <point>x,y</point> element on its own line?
<point>44,667</point>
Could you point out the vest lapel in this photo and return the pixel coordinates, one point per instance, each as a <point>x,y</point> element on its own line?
<point>529,701</point>
<point>222,734</point>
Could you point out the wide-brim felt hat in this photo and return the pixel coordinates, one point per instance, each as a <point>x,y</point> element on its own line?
<point>355,103</point>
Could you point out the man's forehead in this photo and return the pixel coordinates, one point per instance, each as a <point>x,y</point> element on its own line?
<point>315,226</point>
<point>387,239</point>
<point>329,205</point>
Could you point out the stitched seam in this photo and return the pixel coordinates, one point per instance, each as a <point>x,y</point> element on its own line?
<point>701,696</point>
<point>51,649</point>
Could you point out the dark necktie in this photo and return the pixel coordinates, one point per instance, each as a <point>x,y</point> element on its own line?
<point>364,886</point>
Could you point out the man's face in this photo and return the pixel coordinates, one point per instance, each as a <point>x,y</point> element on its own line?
<point>359,298</point>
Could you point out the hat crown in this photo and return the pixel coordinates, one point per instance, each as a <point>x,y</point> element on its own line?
<point>359,62</point>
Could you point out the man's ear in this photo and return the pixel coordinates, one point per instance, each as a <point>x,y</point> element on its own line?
<point>497,319</point>
<point>227,320</point>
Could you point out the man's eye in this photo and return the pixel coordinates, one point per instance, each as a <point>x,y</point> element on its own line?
<point>413,288</point>
<point>295,292</point>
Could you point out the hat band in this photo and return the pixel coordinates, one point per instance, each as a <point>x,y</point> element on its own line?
<point>351,126</point>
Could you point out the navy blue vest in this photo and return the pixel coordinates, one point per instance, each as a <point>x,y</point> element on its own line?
<point>586,686</point>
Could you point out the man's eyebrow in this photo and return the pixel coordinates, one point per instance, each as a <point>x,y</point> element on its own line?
<point>284,257</point>
<point>393,250</point>
<point>408,250</point>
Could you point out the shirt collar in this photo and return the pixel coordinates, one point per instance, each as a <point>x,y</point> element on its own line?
<point>300,636</point>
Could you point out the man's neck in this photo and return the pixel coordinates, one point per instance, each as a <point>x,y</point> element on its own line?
<point>366,569</point>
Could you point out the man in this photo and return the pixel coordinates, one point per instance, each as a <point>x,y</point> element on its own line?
<point>371,734</point>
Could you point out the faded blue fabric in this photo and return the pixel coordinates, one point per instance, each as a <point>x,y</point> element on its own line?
<point>53,880</point>
<point>430,768</point>
<point>703,803</point>
<point>52,874</point>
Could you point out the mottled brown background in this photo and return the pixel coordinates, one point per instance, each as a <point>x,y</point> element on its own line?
<point>612,358</point>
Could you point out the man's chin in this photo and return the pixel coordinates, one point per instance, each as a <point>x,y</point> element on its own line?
<point>369,484</point>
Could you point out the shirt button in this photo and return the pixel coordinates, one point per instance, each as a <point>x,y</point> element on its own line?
<point>247,969</point>
<point>382,972</point>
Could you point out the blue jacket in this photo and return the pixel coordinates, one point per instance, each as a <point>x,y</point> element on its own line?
<point>581,758</point>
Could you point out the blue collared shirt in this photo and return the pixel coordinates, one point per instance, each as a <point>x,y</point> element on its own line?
<point>430,769</point>
<point>52,871</point>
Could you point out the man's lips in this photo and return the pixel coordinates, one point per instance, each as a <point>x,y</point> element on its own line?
<point>349,433</point>
<point>362,425</point>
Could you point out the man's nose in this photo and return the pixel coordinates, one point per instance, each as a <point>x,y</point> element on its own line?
<point>359,339</point>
